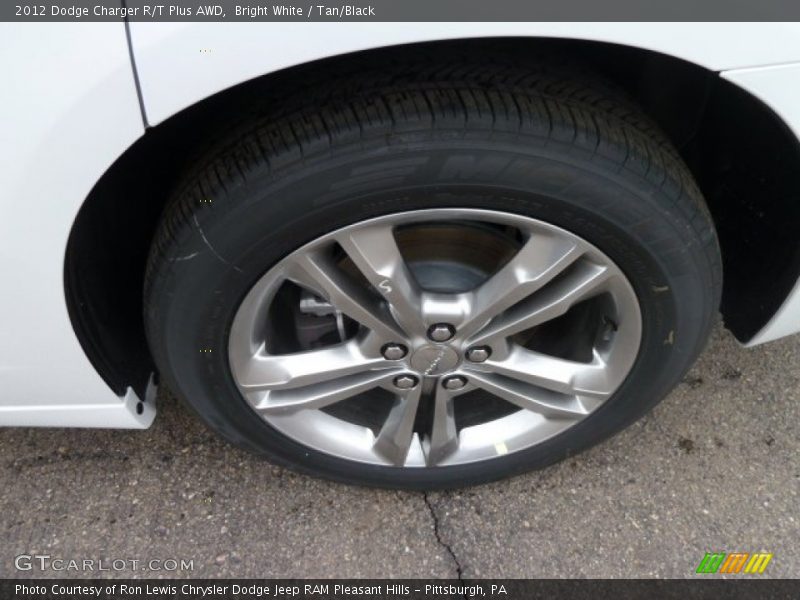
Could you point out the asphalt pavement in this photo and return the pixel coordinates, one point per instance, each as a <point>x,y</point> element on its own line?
<point>714,467</point>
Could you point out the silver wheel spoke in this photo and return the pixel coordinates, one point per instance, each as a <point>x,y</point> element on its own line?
<point>552,373</point>
<point>286,371</point>
<point>374,251</point>
<point>550,303</point>
<point>320,274</point>
<point>444,437</point>
<point>322,394</point>
<point>397,434</point>
<point>539,260</point>
<point>536,399</point>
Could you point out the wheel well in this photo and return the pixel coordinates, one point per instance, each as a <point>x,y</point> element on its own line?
<point>740,152</point>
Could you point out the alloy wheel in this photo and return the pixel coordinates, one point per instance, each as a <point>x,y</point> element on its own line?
<point>435,337</point>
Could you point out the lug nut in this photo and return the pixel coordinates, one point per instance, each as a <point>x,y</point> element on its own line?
<point>394,351</point>
<point>405,382</point>
<point>441,332</point>
<point>456,382</point>
<point>478,353</point>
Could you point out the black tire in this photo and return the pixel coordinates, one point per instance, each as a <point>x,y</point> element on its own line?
<point>546,146</point>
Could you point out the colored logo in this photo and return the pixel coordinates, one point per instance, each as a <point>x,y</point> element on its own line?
<point>735,562</point>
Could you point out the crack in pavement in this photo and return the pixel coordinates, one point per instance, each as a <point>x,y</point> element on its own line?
<point>442,543</point>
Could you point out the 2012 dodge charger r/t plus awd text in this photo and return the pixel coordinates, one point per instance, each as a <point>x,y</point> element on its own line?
<point>413,257</point>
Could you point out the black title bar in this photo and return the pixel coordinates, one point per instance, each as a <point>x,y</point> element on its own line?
<point>400,10</point>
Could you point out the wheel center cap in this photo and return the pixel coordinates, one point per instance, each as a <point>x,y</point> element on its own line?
<point>434,360</point>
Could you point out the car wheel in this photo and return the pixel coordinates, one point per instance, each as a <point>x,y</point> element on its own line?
<point>435,283</point>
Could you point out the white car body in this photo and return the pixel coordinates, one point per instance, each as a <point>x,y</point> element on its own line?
<point>71,107</point>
